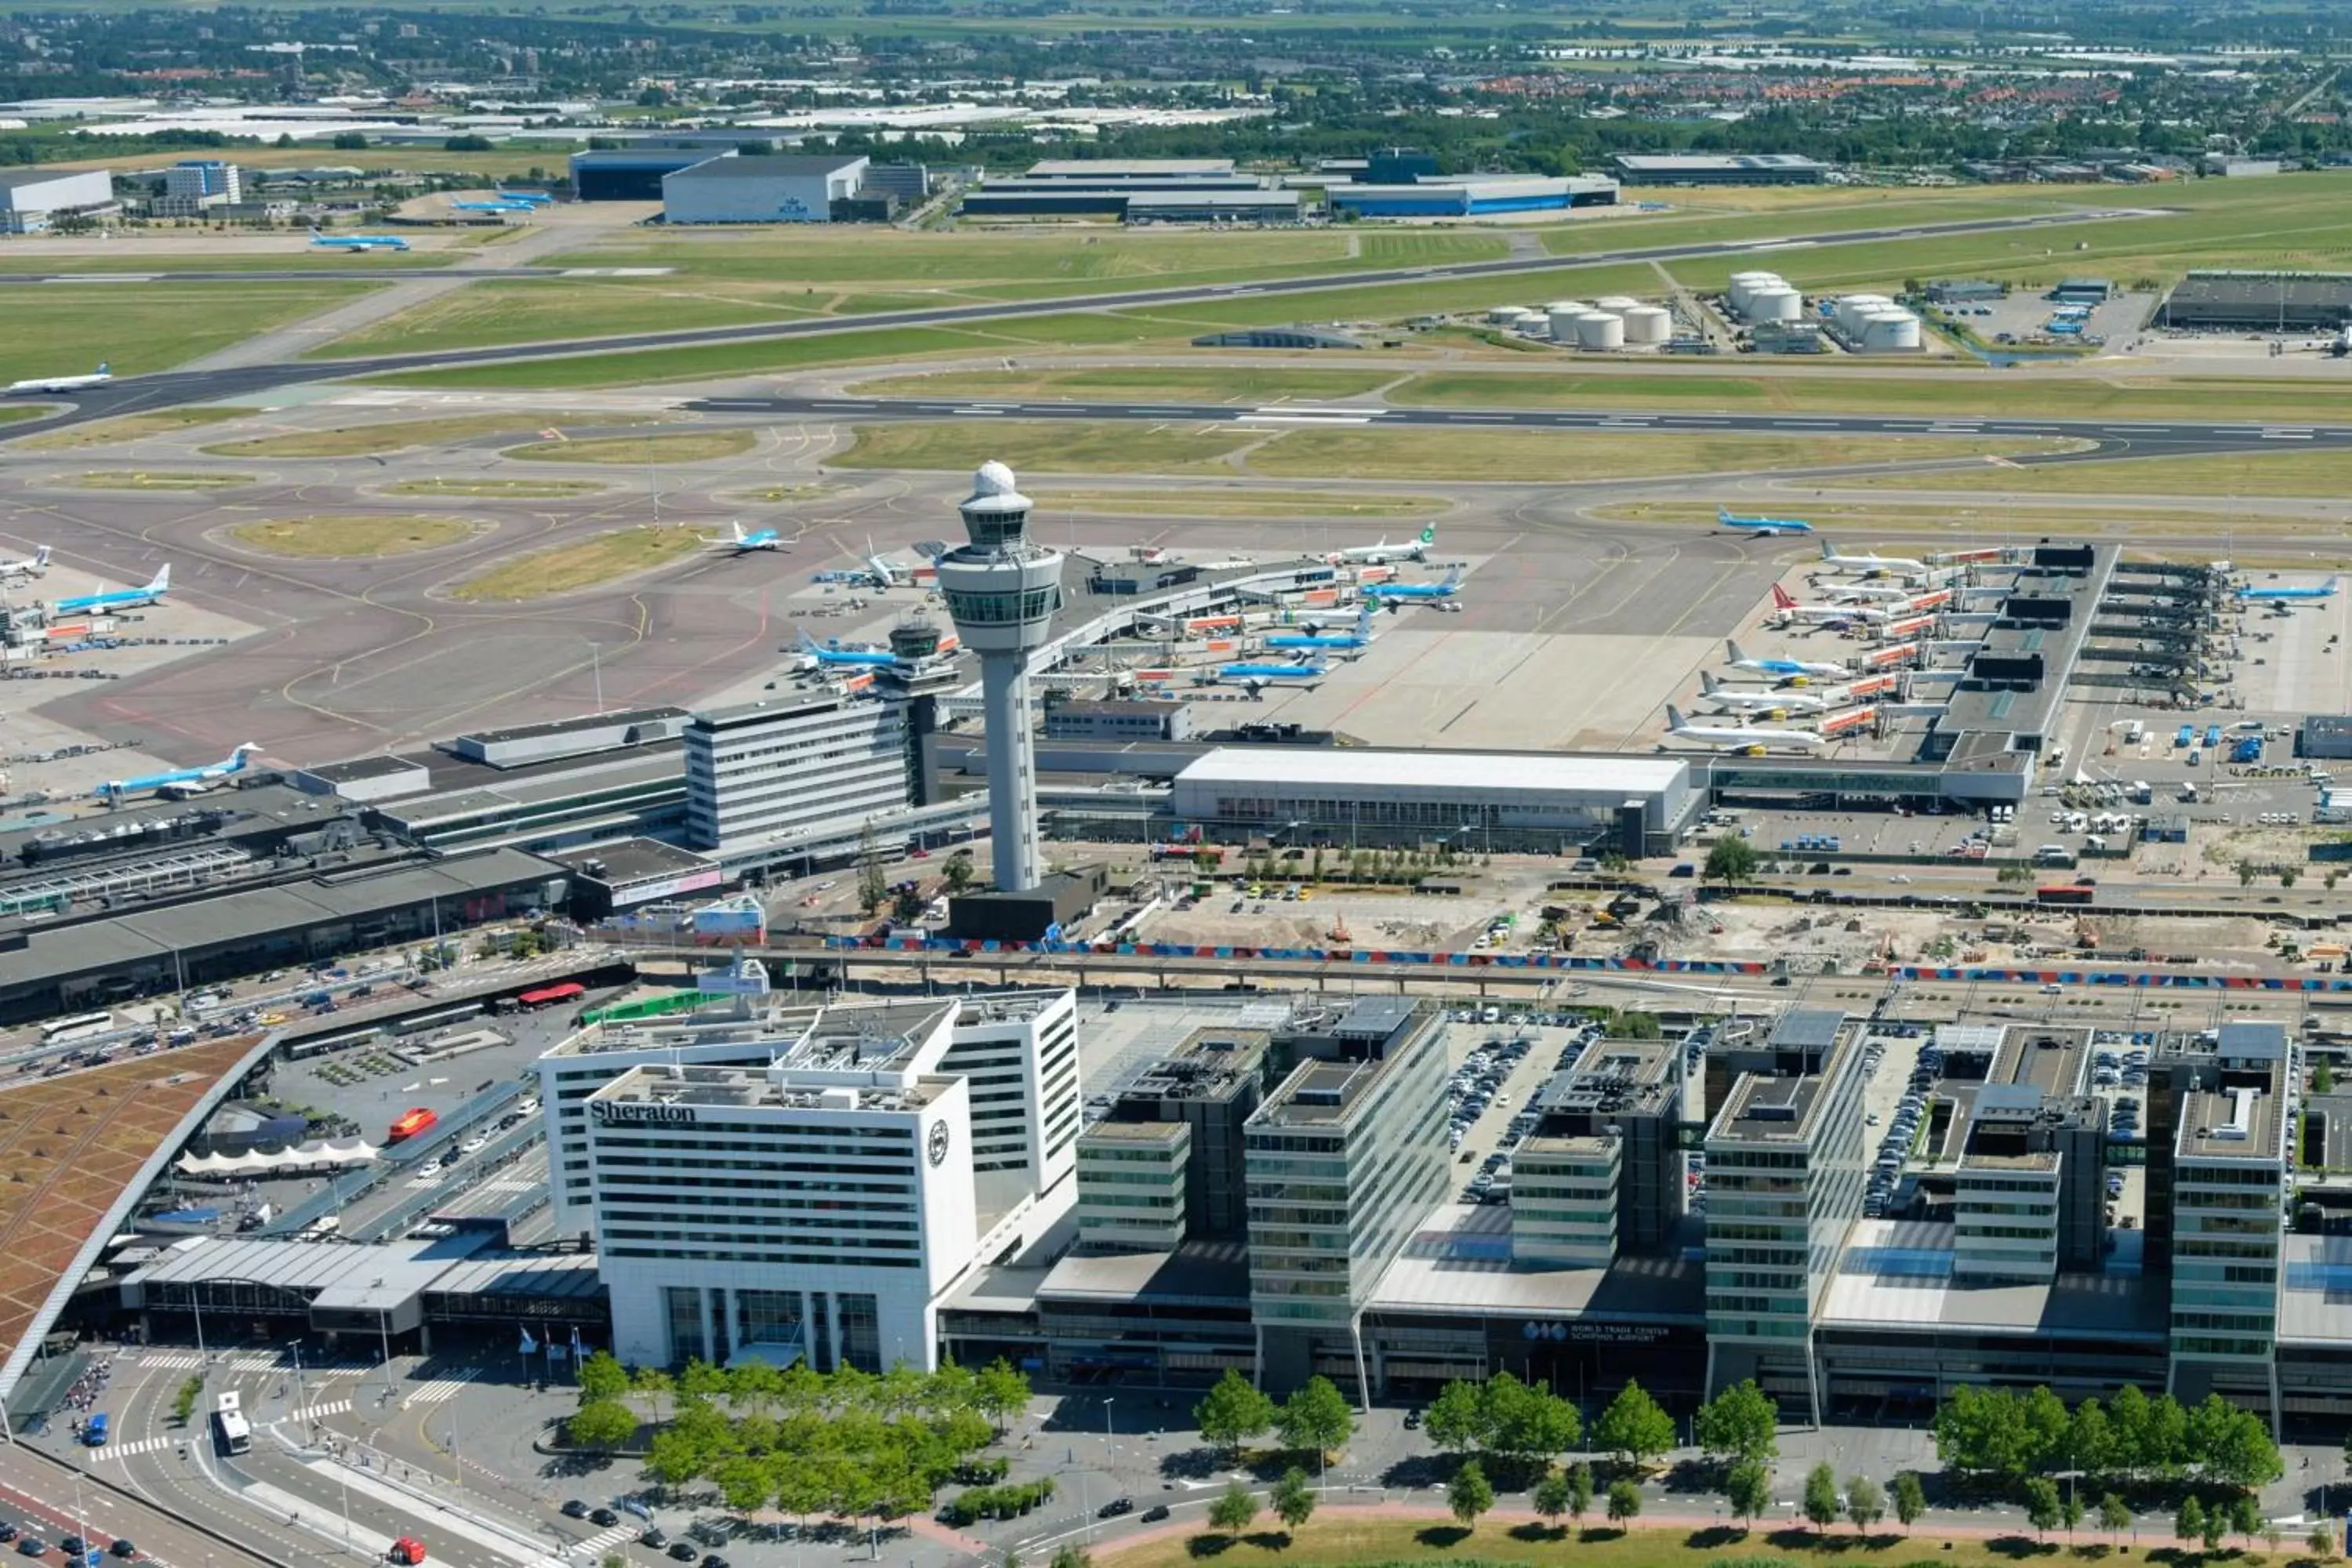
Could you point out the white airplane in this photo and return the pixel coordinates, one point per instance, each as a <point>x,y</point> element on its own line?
<point>875,571</point>
<point>1736,737</point>
<point>33,568</point>
<point>1384,554</point>
<point>1856,592</point>
<point>1141,555</point>
<point>764,539</point>
<point>98,377</point>
<point>1778,704</point>
<point>1788,608</point>
<point>1781,668</point>
<point>1829,556</point>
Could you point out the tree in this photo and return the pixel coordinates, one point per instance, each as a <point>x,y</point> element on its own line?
<point>1821,1506</point>
<point>602,1377</point>
<point>2217,1524</point>
<point>1624,1503</point>
<point>1457,1418</point>
<point>1233,1509</point>
<point>1551,1499</point>
<point>2114,1514</point>
<point>1865,1503</point>
<point>2245,1516</point>
<point>1731,861</point>
<point>1469,1494</point>
<point>1294,1498</point>
<point>349,141</point>
<point>2190,1523</point>
<point>959,871</point>
<point>1072,1555</point>
<point>1579,1491</point>
<point>1316,1417</point>
<point>2042,1510</point>
<point>1634,1429</point>
<point>2069,1510</point>
<point>2321,1542</point>
<point>2323,1077</point>
<point>603,1425</point>
<point>654,1381</point>
<point>873,879</point>
<point>1748,1491</point>
<point>1527,1422</point>
<point>1910,1499</point>
<point>1002,1391</point>
<point>1233,1413</point>
<point>1740,1423</point>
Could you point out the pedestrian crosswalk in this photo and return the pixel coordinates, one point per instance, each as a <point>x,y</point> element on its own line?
<point>320,1412</point>
<point>182,1360</point>
<point>136,1446</point>
<point>442,1389</point>
<point>595,1543</point>
<point>178,1360</point>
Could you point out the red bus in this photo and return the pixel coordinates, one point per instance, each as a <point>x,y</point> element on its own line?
<point>410,1124</point>
<point>2070,893</point>
<point>549,996</point>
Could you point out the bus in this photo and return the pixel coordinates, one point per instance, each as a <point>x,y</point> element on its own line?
<point>232,1434</point>
<point>2071,893</point>
<point>80,1027</point>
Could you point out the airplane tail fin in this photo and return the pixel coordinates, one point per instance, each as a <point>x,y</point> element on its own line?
<point>1429,534</point>
<point>1453,577</point>
<point>1674,720</point>
<point>1781,599</point>
<point>236,764</point>
<point>104,368</point>
<point>736,527</point>
<point>41,556</point>
<point>1829,551</point>
<point>1723,517</point>
<point>162,582</point>
<point>1708,686</point>
<point>1732,648</point>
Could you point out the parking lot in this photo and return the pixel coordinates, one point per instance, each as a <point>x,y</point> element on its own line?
<point>2026,319</point>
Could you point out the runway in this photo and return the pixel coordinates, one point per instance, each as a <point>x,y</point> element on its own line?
<point>2172,438</point>
<point>171,389</point>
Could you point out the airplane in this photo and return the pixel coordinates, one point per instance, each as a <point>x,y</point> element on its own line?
<point>1851,592</point>
<point>1780,704</point>
<point>1782,604</point>
<point>99,377</point>
<point>1360,637</point>
<point>1829,556</point>
<point>1384,554</point>
<point>1781,668</point>
<point>528,198</point>
<point>359,241</point>
<point>1760,527</point>
<point>817,656</point>
<point>492,207</point>
<point>1737,737</point>
<point>33,568</point>
<point>161,784</point>
<point>876,571</point>
<point>2272,595</point>
<point>743,544</point>
<point>1253,674</point>
<point>1444,590</point>
<point>120,598</point>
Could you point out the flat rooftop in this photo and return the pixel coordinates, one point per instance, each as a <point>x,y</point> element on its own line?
<point>1458,1260</point>
<point>1455,772</point>
<point>1772,1110</point>
<point>754,1089</point>
<point>1898,1274</point>
<point>627,718</point>
<point>1135,1132</point>
<point>2050,1060</point>
<point>2235,1123</point>
<point>618,861</point>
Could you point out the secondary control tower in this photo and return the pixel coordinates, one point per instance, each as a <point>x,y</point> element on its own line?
<point>1002,591</point>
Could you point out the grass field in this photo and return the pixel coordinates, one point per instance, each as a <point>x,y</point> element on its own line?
<point>1342,1538</point>
<point>499,489</point>
<point>777,495</point>
<point>1875,209</point>
<point>328,537</point>
<point>138,328</point>
<point>368,440</point>
<point>584,565</point>
<point>1045,445</point>
<point>1205,501</point>
<point>2013,392</point>
<point>129,256</point>
<point>153,479</point>
<point>685,447</point>
<point>130,427</point>
<point>1221,384</point>
<point>2323,475</point>
<point>11,412</point>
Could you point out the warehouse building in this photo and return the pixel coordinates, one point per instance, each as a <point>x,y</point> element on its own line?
<point>1472,196</point>
<point>1252,206</point>
<point>32,199</point>
<point>769,189</point>
<point>2325,735</point>
<point>634,175</point>
<point>1712,169</point>
<point>1170,169</point>
<point>1467,800</point>
<point>2258,303</point>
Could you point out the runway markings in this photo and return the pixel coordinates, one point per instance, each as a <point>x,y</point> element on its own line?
<point>443,1389</point>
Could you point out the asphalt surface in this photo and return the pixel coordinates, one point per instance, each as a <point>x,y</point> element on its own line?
<point>2112,440</point>
<point>174,388</point>
<point>294,275</point>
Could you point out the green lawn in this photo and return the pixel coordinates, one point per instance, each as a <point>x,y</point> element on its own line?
<point>128,256</point>
<point>369,440</point>
<point>1224,383</point>
<point>1544,455</point>
<point>683,446</point>
<point>1044,446</point>
<point>583,565</point>
<point>331,537</point>
<point>528,310</point>
<point>2269,472</point>
<point>1901,207</point>
<point>129,427</point>
<point>66,328</point>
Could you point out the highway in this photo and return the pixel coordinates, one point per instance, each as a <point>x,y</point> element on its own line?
<point>2170,437</point>
<point>170,389</point>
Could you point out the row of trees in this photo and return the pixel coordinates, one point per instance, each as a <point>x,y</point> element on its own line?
<point>1519,1422</point>
<point>1315,1418</point>
<point>2007,1436</point>
<point>848,1444</point>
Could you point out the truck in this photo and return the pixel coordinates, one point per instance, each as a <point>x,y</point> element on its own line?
<point>2134,733</point>
<point>2212,736</point>
<point>409,1123</point>
<point>2182,736</point>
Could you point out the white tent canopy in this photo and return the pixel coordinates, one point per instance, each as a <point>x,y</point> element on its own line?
<point>326,1152</point>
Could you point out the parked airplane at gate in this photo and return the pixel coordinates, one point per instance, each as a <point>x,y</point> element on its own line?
<point>1760,527</point>
<point>2273,596</point>
<point>1830,557</point>
<point>1360,637</point>
<point>1270,674</point>
<point>1781,668</point>
<point>32,568</point>
<point>98,377</point>
<point>1783,604</point>
<point>1776,703</point>
<point>118,598</point>
<point>1384,553</point>
<point>818,655</point>
<point>1736,737</point>
<point>1451,586</point>
<point>183,778</point>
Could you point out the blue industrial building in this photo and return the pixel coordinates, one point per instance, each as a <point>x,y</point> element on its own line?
<point>1473,197</point>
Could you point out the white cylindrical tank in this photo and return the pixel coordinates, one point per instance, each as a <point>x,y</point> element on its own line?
<point>1853,308</point>
<point>1563,320</point>
<point>1616,304</point>
<point>1565,307</point>
<point>1597,329</point>
<point>1744,284</point>
<point>1502,315</point>
<point>1888,330</point>
<point>1777,303</point>
<point>1648,324</point>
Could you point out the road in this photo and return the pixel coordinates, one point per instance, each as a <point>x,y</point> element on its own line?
<point>2170,438</point>
<point>174,388</point>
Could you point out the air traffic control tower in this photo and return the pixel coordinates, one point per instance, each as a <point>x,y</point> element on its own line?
<point>1002,591</point>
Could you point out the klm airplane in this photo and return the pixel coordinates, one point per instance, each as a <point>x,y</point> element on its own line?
<point>1261,674</point>
<point>866,657</point>
<point>1760,527</point>
<point>119,599</point>
<point>359,241</point>
<point>492,207</point>
<point>1301,641</point>
<point>1442,590</point>
<point>528,198</point>
<point>743,544</point>
<point>2270,595</point>
<point>184,779</point>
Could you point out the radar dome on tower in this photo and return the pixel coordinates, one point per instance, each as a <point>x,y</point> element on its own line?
<point>993,489</point>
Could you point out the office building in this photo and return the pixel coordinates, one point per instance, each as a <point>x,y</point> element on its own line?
<point>1344,1158</point>
<point>1784,1170</point>
<point>203,180</point>
<point>1143,719</point>
<point>796,769</point>
<point>1209,1085</point>
<point>2257,302</point>
<point>734,188</point>
<point>2232,1163</point>
<point>1003,592</point>
<point>1565,1195</point>
<point>810,1179</point>
<point>1131,1178</point>
<point>1604,1138</point>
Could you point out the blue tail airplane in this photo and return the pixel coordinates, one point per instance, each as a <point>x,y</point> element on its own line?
<point>1760,527</point>
<point>359,241</point>
<point>117,599</point>
<point>868,658</point>
<point>1301,641</point>
<point>180,779</point>
<point>2272,595</point>
<point>743,542</point>
<point>1447,589</point>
